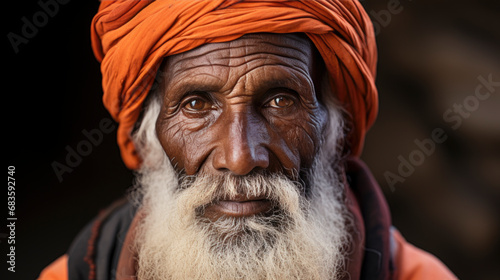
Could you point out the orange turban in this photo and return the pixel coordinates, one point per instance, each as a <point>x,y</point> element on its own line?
<point>130,38</point>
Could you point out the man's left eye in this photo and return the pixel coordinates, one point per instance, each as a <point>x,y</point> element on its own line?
<point>280,102</point>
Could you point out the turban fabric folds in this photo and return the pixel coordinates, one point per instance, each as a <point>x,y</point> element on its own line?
<point>130,38</point>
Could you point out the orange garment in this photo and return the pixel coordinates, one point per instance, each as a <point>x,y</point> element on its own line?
<point>57,270</point>
<point>411,264</point>
<point>130,39</point>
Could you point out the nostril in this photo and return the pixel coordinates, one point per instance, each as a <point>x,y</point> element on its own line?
<point>223,170</point>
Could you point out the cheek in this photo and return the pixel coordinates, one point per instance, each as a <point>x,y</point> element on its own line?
<point>184,142</point>
<point>303,135</point>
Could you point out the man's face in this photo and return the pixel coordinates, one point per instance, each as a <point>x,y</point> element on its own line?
<point>240,107</point>
<point>240,124</point>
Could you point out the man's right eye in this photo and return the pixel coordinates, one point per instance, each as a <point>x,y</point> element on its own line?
<point>197,104</point>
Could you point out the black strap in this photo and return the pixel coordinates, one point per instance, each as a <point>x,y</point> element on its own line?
<point>377,259</point>
<point>94,253</point>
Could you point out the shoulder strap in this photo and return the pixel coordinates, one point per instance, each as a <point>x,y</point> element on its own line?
<point>377,263</point>
<point>94,253</point>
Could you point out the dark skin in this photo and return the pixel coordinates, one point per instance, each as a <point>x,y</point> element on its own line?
<point>239,107</point>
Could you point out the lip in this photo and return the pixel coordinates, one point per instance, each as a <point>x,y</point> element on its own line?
<point>238,207</point>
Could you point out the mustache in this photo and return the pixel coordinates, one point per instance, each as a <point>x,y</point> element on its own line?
<point>228,186</point>
<point>300,179</point>
<point>279,189</point>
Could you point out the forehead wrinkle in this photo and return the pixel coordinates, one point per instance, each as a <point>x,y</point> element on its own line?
<point>278,38</point>
<point>290,71</point>
<point>187,71</point>
<point>258,86</point>
<point>268,57</point>
<point>224,59</point>
<point>190,60</point>
<point>284,44</point>
<point>304,47</point>
<point>292,48</point>
<point>232,52</point>
<point>203,82</point>
<point>256,48</point>
<point>284,51</point>
<point>199,52</point>
<point>244,43</point>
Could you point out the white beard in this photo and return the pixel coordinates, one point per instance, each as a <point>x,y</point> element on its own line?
<point>304,238</point>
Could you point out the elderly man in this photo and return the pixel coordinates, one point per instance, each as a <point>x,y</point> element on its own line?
<point>243,120</point>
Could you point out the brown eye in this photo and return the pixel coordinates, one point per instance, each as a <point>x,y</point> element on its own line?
<point>197,104</point>
<point>281,102</point>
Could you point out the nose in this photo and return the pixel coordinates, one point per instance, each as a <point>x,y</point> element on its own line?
<point>243,145</point>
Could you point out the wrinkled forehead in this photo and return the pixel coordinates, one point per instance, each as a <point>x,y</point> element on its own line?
<point>294,49</point>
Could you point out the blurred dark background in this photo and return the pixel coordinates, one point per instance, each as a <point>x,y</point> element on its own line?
<point>431,56</point>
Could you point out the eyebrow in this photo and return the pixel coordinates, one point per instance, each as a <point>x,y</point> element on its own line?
<point>213,84</point>
<point>197,86</point>
<point>181,88</point>
<point>287,80</point>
